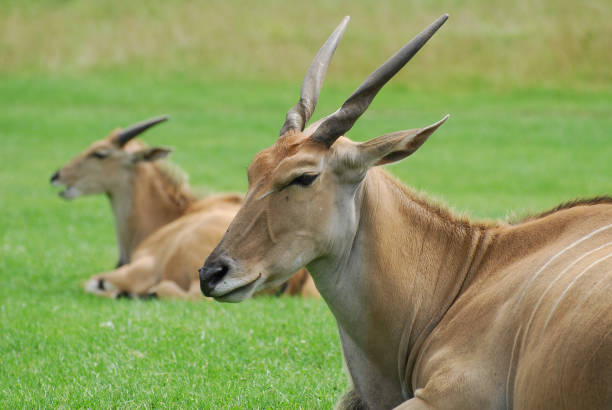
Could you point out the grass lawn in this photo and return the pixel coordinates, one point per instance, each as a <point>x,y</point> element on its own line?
<point>507,150</point>
<point>501,152</point>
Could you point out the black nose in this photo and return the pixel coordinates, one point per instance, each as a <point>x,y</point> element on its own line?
<point>211,274</point>
<point>55,177</point>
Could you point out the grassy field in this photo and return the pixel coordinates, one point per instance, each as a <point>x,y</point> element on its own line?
<point>531,119</point>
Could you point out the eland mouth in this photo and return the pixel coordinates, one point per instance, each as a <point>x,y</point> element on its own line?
<point>237,294</point>
<point>68,192</point>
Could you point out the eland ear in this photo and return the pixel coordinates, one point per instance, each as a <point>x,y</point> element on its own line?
<point>396,146</point>
<point>150,154</point>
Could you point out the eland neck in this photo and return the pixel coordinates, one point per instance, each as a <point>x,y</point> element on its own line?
<point>148,200</point>
<point>393,281</point>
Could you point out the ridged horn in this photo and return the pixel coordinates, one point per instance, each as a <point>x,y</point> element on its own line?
<point>130,132</point>
<point>342,120</point>
<point>300,113</point>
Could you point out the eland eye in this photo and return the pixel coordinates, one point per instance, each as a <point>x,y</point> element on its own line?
<point>304,179</point>
<point>98,155</point>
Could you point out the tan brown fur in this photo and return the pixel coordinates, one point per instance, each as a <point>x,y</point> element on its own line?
<point>164,231</point>
<point>437,208</point>
<point>567,205</point>
<point>433,309</point>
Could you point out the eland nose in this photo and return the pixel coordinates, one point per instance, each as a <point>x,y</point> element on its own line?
<point>213,272</point>
<point>55,177</point>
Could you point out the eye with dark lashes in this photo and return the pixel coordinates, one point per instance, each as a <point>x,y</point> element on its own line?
<point>98,155</point>
<point>304,180</point>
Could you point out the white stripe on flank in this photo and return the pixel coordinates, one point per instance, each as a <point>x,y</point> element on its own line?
<point>584,238</point>
<point>550,285</point>
<point>570,285</point>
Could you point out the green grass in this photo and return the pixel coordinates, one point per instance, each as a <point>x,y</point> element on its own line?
<point>517,151</point>
<point>76,351</point>
<point>530,97</point>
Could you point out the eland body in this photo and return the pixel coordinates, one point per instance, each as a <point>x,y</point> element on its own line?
<point>162,228</point>
<point>434,311</point>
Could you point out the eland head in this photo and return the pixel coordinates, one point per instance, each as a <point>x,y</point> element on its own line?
<point>108,162</point>
<point>300,201</point>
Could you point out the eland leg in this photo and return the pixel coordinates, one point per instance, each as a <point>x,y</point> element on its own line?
<point>167,289</point>
<point>133,279</point>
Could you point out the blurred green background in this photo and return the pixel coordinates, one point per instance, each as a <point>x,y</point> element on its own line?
<point>528,85</point>
<point>520,43</point>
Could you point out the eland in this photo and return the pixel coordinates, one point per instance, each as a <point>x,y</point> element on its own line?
<point>162,228</point>
<point>434,311</point>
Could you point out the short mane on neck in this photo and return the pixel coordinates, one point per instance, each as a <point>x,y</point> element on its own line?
<point>566,205</point>
<point>157,194</point>
<point>436,207</point>
<point>174,184</point>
